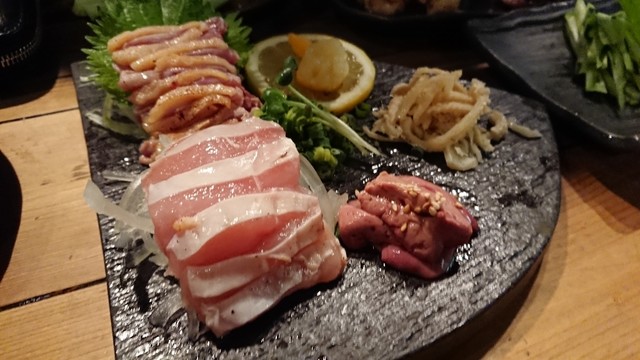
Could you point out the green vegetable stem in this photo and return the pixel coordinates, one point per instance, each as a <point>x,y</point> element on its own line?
<point>321,115</point>
<point>607,49</point>
<point>313,129</point>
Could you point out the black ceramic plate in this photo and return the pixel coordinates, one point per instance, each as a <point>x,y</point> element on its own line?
<point>530,47</point>
<point>416,13</point>
<point>370,312</point>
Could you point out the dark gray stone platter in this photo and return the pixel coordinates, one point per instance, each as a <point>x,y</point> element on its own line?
<point>371,312</point>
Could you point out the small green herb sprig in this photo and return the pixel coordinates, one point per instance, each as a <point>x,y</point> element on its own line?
<point>323,138</point>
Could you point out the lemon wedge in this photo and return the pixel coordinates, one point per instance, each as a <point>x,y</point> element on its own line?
<point>267,58</point>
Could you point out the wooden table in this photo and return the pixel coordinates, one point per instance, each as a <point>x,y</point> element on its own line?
<point>584,302</point>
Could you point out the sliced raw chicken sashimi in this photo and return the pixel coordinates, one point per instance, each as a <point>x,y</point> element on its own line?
<point>220,278</point>
<point>239,231</point>
<point>238,225</point>
<point>211,144</point>
<point>179,78</point>
<point>320,262</point>
<point>274,165</point>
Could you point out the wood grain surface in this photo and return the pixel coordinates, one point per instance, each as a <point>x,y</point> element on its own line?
<point>61,97</point>
<point>58,244</point>
<point>584,302</point>
<point>75,325</point>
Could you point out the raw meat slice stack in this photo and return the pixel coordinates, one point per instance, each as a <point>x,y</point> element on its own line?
<point>239,231</point>
<point>179,78</point>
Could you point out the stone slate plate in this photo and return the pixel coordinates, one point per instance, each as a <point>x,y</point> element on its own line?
<point>370,312</point>
<point>529,46</point>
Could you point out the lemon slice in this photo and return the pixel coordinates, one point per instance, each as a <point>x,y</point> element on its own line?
<point>324,66</point>
<point>267,58</point>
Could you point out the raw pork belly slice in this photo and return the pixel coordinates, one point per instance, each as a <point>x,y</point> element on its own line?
<point>414,223</point>
<point>239,231</point>
<point>195,174</point>
<point>208,145</point>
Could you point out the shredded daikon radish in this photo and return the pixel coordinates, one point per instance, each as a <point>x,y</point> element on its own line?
<point>524,131</point>
<point>97,201</point>
<point>330,201</point>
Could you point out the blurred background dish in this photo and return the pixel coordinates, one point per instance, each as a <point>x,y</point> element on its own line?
<point>415,13</point>
<point>529,47</point>
<point>247,8</point>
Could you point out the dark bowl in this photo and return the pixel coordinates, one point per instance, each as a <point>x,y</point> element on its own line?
<point>10,211</point>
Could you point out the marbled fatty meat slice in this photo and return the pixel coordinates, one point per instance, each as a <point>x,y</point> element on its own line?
<point>211,144</point>
<point>168,66</point>
<point>320,262</point>
<point>222,277</point>
<point>150,92</point>
<point>175,109</point>
<point>136,50</point>
<point>151,35</point>
<point>191,186</point>
<point>229,211</point>
<point>253,218</point>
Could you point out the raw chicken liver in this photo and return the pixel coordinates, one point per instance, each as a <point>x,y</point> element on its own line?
<point>415,224</point>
